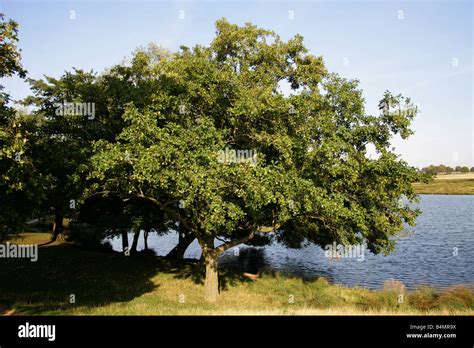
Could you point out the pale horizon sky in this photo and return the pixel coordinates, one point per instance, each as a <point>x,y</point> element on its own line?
<point>422,49</point>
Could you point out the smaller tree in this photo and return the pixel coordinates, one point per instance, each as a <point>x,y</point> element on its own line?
<point>62,147</point>
<point>442,169</point>
<point>430,170</point>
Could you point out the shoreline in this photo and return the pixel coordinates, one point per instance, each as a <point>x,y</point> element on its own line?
<point>449,184</point>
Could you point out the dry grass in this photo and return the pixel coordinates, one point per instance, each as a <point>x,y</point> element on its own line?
<point>459,176</point>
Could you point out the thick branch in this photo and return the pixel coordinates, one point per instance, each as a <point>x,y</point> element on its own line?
<point>221,248</point>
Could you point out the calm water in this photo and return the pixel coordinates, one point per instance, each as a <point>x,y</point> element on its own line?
<point>425,256</point>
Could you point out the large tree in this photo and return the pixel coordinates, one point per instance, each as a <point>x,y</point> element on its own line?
<point>311,179</point>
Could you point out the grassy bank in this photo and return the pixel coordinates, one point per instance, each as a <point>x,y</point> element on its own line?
<point>451,184</point>
<point>108,283</point>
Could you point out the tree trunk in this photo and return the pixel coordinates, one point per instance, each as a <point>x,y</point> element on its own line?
<point>125,241</point>
<point>58,226</point>
<point>184,241</point>
<point>145,237</point>
<point>135,242</point>
<point>211,283</point>
<point>210,255</point>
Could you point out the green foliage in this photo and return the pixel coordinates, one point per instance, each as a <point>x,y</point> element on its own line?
<point>20,183</point>
<point>16,169</point>
<point>9,52</point>
<point>313,180</point>
<point>9,60</point>
<point>442,169</point>
<point>64,143</point>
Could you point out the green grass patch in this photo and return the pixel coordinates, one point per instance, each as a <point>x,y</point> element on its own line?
<point>446,187</point>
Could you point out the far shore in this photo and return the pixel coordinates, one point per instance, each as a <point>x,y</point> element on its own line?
<point>448,184</point>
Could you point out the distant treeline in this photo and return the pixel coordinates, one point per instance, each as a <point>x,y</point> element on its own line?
<point>442,169</point>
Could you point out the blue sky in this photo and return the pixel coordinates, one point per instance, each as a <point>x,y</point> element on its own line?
<point>422,49</point>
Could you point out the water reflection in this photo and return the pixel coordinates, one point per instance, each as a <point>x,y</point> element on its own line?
<point>250,260</point>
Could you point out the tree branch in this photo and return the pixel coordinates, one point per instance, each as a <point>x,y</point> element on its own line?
<point>221,248</point>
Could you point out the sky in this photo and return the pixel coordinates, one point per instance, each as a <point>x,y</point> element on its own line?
<point>421,49</point>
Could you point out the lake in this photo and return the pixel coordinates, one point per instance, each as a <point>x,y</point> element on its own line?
<point>439,252</point>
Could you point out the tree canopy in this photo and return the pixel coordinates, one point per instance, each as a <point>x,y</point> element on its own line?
<point>311,179</point>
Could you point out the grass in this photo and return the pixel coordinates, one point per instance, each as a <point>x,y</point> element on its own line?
<point>108,283</point>
<point>449,184</point>
<point>456,176</point>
